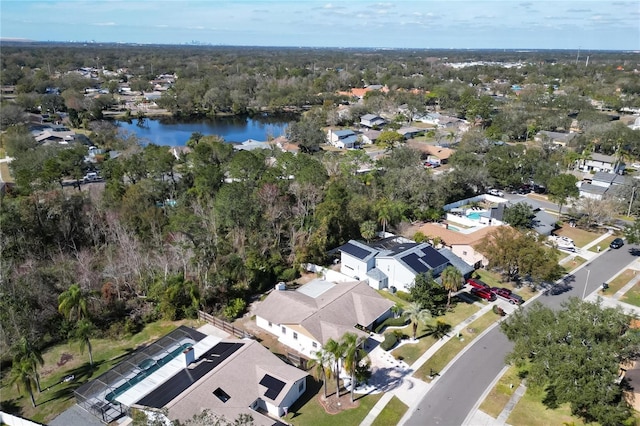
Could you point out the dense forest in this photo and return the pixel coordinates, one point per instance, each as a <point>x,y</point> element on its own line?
<point>166,235</point>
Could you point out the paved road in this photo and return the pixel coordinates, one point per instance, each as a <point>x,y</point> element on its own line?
<point>454,394</point>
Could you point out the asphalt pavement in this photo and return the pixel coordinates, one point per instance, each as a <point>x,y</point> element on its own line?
<point>456,393</point>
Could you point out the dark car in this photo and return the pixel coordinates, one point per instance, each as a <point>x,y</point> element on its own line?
<point>483,293</point>
<point>476,283</point>
<point>617,243</point>
<point>508,295</point>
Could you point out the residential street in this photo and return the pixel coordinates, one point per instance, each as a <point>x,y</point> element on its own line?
<point>455,394</point>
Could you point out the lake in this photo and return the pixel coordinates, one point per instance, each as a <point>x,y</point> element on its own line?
<point>173,132</point>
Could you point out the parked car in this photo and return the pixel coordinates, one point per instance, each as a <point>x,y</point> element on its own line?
<point>483,293</point>
<point>496,192</point>
<point>476,283</point>
<point>617,243</point>
<point>508,295</point>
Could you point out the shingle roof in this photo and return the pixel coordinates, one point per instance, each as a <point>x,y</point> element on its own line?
<point>462,266</point>
<point>592,189</point>
<point>239,377</point>
<point>609,178</point>
<point>452,238</point>
<point>329,315</point>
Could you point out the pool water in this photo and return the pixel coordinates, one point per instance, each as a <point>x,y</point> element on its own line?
<point>474,216</point>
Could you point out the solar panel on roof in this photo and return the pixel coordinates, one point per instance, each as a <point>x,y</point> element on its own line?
<point>433,258</point>
<point>414,263</point>
<point>273,385</point>
<point>354,250</point>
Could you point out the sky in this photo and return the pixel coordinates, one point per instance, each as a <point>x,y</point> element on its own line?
<point>457,24</point>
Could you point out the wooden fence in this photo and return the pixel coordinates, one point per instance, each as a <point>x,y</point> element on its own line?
<point>224,326</point>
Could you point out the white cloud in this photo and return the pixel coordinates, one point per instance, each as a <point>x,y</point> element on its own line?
<point>104,24</point>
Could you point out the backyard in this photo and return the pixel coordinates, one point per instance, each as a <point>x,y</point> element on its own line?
<point>66,359</point>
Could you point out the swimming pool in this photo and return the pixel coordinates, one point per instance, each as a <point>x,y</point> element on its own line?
<point>474,216</point>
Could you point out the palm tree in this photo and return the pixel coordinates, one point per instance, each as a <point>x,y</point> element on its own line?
<point>22,373</point>
<point>352,356</point>
<point>320,363</point>
<point>83,333</point>
<point>73,302</point>
<point>24,350</point>
<point>416,314</point>
<point>336,350</point>
<point>451,281</point>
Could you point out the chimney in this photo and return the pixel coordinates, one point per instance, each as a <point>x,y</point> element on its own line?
<point>189,356</point>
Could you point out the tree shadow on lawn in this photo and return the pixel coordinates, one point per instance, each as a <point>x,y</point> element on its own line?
<point>437,331</point>
<point>314,388</point>
<point>81,375</point>
<point>10,406</point>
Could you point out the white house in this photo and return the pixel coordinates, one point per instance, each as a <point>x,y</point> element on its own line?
<point>306,318</point>
<point>600,163</point>
<point>557,138</point>
<point>372,120</point>
<point>601,185</point>
<point>393,262</point>
<point>343,139</point>
<point>370,136</point>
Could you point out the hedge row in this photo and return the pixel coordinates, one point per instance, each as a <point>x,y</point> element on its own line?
<point>391,322</point>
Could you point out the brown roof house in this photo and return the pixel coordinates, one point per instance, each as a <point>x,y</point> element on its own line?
<point>461,244</point>
<point>306,318</point>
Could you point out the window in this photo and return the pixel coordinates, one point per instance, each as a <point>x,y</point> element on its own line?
<point>222,395</point>
<point>301,386</point>
<point>295,336</point>
<point>284,330</point>
<point>314,344</point>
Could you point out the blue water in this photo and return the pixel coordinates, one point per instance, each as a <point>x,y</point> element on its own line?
<point>173,132</point>
<point>150,366</point>
<point>474,216</point>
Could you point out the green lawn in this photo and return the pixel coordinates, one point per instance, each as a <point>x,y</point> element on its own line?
<point>603,244</point>
<point>65,359</point>
<point>573,264</point>
<point>394,298</point>
<point>632,296</point>
<point>410,352</point>
<point>618,282</point>
<point>308,411</point>
<point>450,349</point>
<point>391,413</point>
<point>501,393</point>
<point>492,278</point>
<point>531,411</point>
<point>579,236</point>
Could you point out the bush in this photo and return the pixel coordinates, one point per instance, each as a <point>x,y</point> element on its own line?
<point>403,295</point>
<point>498,310</point>
<point>391,322</point>
<point>235,308</point>
<point>289,274</point>
<point>390,340</point>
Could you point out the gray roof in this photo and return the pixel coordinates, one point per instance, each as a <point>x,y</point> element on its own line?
<point>370,117</point>
<point>376,274</point>
<point>241,377</point>
<point>418,258</point>
<point>462,266</point>
<point>544,223</point>
<point>592,189</point>
<point>603,158</point>
<point>343,133</point>
<point>329,315</point>
<point>610,178</point>
<point>535,205</point>
<point>75,416</point>
<point>563,137</point>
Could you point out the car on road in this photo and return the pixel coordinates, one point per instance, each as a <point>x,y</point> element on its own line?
<point>483,293</point>
<point>476,283</point>
<point>617,243</point>
<point>508,295</point>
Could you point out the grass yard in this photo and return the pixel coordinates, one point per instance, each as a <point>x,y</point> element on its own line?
<point>579,236</point>
<point>618,282</point>
<point>65,359</point>
<point>5,173</point>
<point>450,349</point>
<point>391,413</point>
<point>492,278</point>
<point>572,264</point>
<point>531,411</point>
<point>632,296</point>
<point>308,411</point>
<point>393,297</point>
<point>501,393</point>
<point>410,352</point>
<point>603,244</point>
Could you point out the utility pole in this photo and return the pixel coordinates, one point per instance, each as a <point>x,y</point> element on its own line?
<point>633,192</point>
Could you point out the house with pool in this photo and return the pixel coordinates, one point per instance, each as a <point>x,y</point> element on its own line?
<point>186,372</point>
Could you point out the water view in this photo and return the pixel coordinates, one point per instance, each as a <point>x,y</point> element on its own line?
<point>174,132</point>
